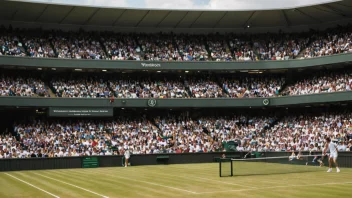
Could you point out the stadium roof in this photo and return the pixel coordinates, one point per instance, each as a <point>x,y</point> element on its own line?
<point>153,18</point>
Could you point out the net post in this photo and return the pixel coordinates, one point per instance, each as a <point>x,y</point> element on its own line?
<point>231,167</point>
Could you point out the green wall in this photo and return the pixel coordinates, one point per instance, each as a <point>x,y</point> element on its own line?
<point>165,103</point>
<point>138,65</point>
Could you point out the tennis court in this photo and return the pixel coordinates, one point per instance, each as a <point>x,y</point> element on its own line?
<point>187,180</point>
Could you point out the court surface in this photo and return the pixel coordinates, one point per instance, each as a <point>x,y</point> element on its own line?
<point>187,180</point>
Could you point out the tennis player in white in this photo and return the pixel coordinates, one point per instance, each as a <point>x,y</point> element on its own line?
<point>127,156</point>
<point>333,154</point>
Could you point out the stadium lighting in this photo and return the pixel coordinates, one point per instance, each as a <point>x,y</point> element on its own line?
<point>40,68</point>
<point>122,108</point>
<point>104,70</point>
<point>186,71</point>
<point>78,69</point>
<point>248,26</point>
<point>53,69</point>
<point>158,71</point>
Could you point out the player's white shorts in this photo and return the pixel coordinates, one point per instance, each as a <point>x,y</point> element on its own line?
<point>333,155</point>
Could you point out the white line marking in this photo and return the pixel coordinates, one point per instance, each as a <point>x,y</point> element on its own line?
<point>151,183</point>
<point>201,178</point>
<point>32,185</point>
<point>72,185</point>
<point>157,184</point>
<point>261,188</point>
<point>223,182</point>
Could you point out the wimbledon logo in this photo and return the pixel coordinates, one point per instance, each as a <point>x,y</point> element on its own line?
<point>150,65</point>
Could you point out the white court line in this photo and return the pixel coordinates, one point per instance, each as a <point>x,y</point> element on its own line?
<point>201,178</point>
<point>151,183</point>
<point>32,185</point>
<point>72,185</point>
<point>261,188</point>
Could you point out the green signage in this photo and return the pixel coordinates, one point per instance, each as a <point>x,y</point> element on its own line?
<point>90,162</point>
<point>80,112</point>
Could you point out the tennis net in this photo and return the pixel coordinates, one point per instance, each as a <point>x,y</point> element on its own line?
<point>271,165</point>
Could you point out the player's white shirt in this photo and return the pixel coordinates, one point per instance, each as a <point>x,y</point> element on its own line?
<point>127,154</point>
<point>332,147</point>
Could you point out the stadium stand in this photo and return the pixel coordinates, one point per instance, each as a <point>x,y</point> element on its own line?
<point>22,85</point>
<point>175,47</point>
<point>186,128</point>
<point>329,42</point>
<point>321,82</point>
<point>179,133</point>
<point>199,85</point>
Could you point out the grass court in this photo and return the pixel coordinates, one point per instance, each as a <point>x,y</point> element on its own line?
<point>187,180</point>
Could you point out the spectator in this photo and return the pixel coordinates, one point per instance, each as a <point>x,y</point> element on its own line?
<point>250,87</point>
<point>324,82</point>
<point>205,89</point>
<point>158,47</point>
<point>191,47</point>
<point>81,88</point>
<point>77,46</point>
<point>12,86</point>
<point>121,47</point>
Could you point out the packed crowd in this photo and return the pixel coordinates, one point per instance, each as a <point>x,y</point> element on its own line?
<point>195,86</point>
<point>64,139</point>
<point>84,88</point>
<point>126,88</point>
<point>78,46</point>
<point>205,89</point>
<point>159,47</point>
<point>323,82</point>
<point>307,133</point>
<point>86,138</point>
<point>177,134</point>
<point>39,47</point>
<point>20,86</point>
<point>81,88</point>
<point>121,47</point>
<point>163,89</point>
<point>280,46</point>
<point>191,48</point>
<point>251,87</point>
<point>333,41</point>
<point>96,87</point>
<point>209,134</point>
<point>11,45</point>
<point>241,48</point>
<point>218,48</point>
<point>146,88</point>
<point>172,47</point>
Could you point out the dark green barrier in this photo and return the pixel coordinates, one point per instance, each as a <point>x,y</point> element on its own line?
<point>166,103</point>
<point>345,160</point>
<point>146,65</point>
